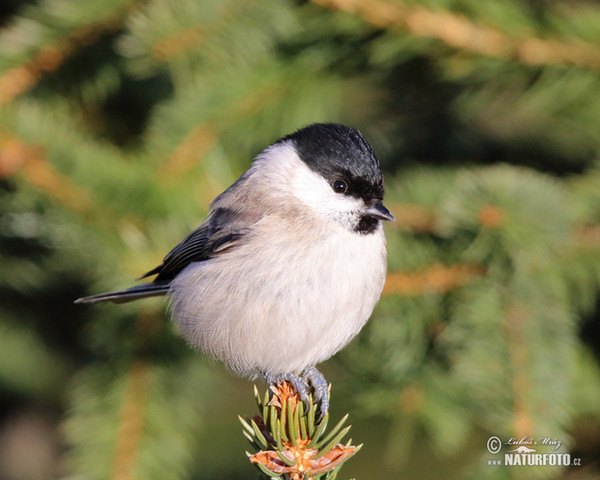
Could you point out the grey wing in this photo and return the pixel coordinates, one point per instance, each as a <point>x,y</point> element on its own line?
<point>221,231</point>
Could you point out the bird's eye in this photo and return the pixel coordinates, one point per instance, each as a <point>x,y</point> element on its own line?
<point>339,186</point>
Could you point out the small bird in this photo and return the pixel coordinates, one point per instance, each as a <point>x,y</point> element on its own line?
<point>288,265</point>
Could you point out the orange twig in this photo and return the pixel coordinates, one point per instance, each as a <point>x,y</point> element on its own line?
<point>17,156</point>
<point>131,423</point>
<point>413,217</point>
<point>192,37</point>
<point>437,278</point>
<point>513,328</point>
<point>587,237</point>
<point>184,157</point>
<point>491,216</point>
<point>205,135</point>
<point>459,32</point>
<point>412,399</point>
<point>20,79</point>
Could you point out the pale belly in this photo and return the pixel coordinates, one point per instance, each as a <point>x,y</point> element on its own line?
<point>281,309</point>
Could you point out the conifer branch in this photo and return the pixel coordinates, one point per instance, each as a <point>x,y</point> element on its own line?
<point>515,316</point>
<point>190,38</point>
<point>205,135</point>
<point>185,155</point>
<point>459,32</point>
<point>290,439</point>
<point>587,237</point>
<point>421,219</point>
<point>131,422</point>
<point>437,278</point>
<point>413,217</point>
<point>22,78</point>
<point>31,162</point>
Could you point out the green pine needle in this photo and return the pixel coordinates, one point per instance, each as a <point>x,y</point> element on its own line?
<point>291,441</point>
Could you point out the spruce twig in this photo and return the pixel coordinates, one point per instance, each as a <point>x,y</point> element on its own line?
<point>290,440</point>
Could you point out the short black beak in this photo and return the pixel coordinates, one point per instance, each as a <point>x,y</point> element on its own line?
<point>379,212</point>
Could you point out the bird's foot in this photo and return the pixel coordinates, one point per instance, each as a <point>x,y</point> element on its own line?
<point>319,385</point>
<point>301,384</point>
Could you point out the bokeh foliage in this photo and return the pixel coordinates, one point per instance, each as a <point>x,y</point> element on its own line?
<point>120,120</point>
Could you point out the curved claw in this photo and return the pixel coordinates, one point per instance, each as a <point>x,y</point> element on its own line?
<point>320,386</point>
<point>301,384</point>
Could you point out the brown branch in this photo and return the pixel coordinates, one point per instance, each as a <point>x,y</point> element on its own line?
<point>20,79</point>
<point>183,158</point>
<point>437,278</point>
<point>131,423</point>
<point>206,134</point>
<point>491,217</point>
<point>457,31</point>
<point>413,217</point>
<point>417,218</point>
<point>412,399</point>
<point>587,237</point>
<point>30,161</point>
<point>515,316</point>
<point>192,37</point>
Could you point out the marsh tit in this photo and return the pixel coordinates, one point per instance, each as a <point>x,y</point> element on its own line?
<point>289,263</point>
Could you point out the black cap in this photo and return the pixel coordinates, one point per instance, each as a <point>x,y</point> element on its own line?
<point>339,152</point>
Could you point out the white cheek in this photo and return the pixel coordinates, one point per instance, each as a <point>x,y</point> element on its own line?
<point>314,191</point>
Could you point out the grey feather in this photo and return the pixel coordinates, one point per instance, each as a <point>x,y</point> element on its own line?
<point>123,296</point>
<point>222,231</point>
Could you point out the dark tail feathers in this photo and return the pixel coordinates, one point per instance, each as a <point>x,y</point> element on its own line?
<point>133,293</point>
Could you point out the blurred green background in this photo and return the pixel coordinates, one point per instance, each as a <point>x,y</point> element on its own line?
<point>120,120</point>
